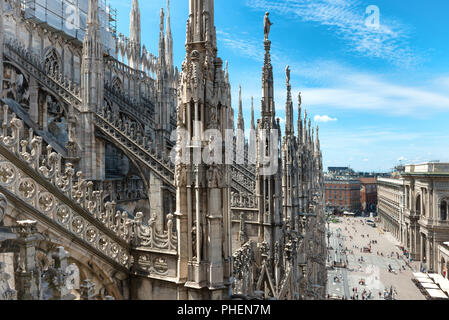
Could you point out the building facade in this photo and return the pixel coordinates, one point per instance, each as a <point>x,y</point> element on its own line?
<point>422,226</point>
<point>368,194</point>
<point>343,195</point>
<point>101,201</point>
<point>391,199</point>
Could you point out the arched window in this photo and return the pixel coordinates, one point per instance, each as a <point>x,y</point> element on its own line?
<point>117,84</point>
<point>443,210</point>
<point>418,205</point>
<point>52,63</point>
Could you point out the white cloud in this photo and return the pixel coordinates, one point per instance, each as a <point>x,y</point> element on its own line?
<point>370,92</point>
<point>347,19</point>
<point>245,47</point>
<point>324,118</point>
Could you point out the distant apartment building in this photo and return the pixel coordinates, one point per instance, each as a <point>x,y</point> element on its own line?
<point>343,194</point>
<point>347,190</point>
<point>368,194</point>
<point>415,207</point>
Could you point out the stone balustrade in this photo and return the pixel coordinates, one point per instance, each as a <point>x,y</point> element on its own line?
<point>84,203</point>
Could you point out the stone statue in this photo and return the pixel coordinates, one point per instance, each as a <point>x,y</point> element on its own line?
<point>299,99</point>
<point>287,73</point>
<point>267,25</point>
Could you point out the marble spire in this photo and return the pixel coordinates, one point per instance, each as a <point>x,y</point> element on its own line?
<point>253,123</point>
<point>92,61</point>
<point>169,41</point>
<point>289,129</point>
<point>300,127</point>
<point>240,120</point>
<point>268,107</point>
<point>161,40</point>
<point>135,26</point>
<point>135,35</point>
<point>201,25</point>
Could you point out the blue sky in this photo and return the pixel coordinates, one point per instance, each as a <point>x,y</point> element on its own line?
<point>380,95</point>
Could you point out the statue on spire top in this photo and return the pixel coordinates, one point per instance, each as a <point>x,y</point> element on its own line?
<point>287,73</point>
<point>267,25</point>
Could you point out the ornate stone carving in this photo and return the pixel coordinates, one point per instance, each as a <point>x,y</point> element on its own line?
<point>3,206</point>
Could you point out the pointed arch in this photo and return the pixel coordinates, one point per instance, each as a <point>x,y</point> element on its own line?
<point>52,61</point>
<point>117,84</point>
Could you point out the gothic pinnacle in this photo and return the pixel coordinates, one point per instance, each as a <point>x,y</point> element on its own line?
<point>169,41</point>
<point>240,120</point>
<point>268,105</point>
<point>134,26</point>
<point>162,39</point>
<point>161,25</point>
<point>289,105</point>
<point>299,117</point>
<point>135,35</point>
<point>200,26</point>
<point>253,124</point>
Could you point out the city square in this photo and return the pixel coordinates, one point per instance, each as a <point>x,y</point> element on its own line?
<point>353,235</point>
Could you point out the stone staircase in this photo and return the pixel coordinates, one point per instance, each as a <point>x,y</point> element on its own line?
<point>138,146</point>
<point>31,171</point>
<point>55,83</point>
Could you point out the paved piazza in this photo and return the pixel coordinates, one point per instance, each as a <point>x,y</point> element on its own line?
<point>347,240</point>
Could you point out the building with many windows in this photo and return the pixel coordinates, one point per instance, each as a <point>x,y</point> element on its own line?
<point>368,194</point>
<point>390,193</point>
<point>343,195</point>
<point>414,208</point>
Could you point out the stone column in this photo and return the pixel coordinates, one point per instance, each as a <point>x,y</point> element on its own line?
<point>28,282</point>
<point>215,238</point>
<point>156,200</point>
<point>34,100</point>
<point>184,230</point>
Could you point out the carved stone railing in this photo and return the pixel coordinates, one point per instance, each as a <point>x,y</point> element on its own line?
<point>119,66</point>
<point>242,181</point>
<point>42,181</point>
<point>138,147</point>
<point>244,201</point>
<point>122,189</point>
<point>148,237</point>
<point>243,175</point>
<point>61,86</point>
<point>132,106</point>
